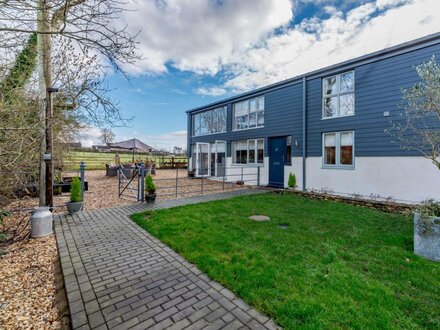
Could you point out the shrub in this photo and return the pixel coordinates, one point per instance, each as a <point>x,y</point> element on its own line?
<point>292,180</point>
<point>76,191</point>
<point>150,187</point>
<point>430,208</point>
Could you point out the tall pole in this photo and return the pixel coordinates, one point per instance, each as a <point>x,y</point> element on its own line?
<point>44,46</point>
<point>49,110</point>
<point>41,101</point>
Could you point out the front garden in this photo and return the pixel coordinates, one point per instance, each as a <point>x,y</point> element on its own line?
<point>315,264</point>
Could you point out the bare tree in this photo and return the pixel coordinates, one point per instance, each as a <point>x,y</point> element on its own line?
<point>420,128</point>
<point>107,136</point>
<point>90,29</point>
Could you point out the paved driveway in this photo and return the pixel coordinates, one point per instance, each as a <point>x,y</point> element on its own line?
<point>117,276</point>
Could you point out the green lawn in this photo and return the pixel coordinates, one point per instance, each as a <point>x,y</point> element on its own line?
<point>335,266</point>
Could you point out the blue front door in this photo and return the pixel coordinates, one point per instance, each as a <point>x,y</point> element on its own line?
<point>277,148</point>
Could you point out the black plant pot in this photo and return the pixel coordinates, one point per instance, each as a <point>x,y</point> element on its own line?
<point>150,198</point>
<point>74,207</point>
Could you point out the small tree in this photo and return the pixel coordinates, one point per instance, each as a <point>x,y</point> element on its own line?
<point>107,136</point>
<point>76,191</point>
<point>292,180</point>
<point>420,128</point>
<point>150,186</point>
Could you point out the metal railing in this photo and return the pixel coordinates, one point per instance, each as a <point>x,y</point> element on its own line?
<point>233,178</point>
<point>131,181</point>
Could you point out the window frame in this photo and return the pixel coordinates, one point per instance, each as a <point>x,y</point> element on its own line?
<point>213,111</point>
<point>338,164</point>
<point>255,163</point>
<point>338,95</point>
<point>249,112</point>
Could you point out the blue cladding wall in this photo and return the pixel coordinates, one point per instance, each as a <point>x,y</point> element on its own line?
<point>283,117</point>
<point>378,88</point>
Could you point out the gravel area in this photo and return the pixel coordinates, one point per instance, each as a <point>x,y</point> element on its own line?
<point>31,295</point>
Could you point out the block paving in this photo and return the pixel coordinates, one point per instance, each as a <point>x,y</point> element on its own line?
<point>117,276</point>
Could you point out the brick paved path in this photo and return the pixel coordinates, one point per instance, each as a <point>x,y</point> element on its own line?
<point>120,277</point>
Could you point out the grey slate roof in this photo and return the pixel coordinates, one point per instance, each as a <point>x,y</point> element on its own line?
<point>132,144</point>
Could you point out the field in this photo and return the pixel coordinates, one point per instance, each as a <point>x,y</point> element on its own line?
<point>97,160</point>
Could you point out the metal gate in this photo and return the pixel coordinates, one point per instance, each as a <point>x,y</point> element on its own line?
<point>131,182</point>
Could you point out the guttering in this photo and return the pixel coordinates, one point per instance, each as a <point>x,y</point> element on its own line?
<point>304,133</point>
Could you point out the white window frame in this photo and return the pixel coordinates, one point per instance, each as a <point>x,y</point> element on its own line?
<point>249,112</point>
<point>338,95</point>
<point>193,116</point>
<point>338,164</point>
<point>255,163</point>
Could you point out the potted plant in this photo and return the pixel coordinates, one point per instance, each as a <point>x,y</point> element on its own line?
<point>292,181</point>
<point>76,198</point>
<point>427,231</point>
<point>150,188</point>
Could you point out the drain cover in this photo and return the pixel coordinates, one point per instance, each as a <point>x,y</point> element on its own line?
<point>283,226</point>
<point>259,218</point>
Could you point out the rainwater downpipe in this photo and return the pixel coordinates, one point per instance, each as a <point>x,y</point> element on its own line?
<point>304,133</point>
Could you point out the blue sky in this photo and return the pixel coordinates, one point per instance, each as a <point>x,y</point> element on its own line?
<point>199,51</point>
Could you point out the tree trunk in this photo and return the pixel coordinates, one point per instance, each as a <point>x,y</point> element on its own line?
<point>41,100</point>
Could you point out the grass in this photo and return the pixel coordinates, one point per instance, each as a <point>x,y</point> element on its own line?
<point>97,160</point>
<point>334,266</point>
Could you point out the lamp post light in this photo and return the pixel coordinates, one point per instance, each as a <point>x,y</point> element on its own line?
<point>48,155</point>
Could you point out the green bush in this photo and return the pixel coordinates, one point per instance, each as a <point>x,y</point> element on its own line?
<point>76,191</point>
<point>429,208</point>
<point>292,180</point>
<point>150,186</point>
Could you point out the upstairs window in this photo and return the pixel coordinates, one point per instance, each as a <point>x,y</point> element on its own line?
<point>249,113</point>
<point>209,122</point>
<point>338,149</point>
<point>338,95</point>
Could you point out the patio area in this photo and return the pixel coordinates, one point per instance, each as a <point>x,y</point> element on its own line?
<point>118,276</point>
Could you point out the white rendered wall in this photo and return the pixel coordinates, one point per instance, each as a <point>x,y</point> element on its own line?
<point>295,168</point>
<point>405,179</point>
<point>233,172</point>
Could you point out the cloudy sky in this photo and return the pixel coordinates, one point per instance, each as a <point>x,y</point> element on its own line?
<point>199,51</point>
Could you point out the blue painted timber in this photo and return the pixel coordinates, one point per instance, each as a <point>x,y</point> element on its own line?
<point>379,80</point>
<point>277,147</point>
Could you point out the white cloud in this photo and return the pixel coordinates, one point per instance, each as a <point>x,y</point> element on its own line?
<point>89,136</point>
<point>201,35</point>
<point>211,91</point>
<point>238,39</point>
<point>316,43</point>
<point>381,4</point>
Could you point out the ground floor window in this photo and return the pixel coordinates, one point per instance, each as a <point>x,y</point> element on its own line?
<point>338,149</point>
<point>248,151</point>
